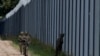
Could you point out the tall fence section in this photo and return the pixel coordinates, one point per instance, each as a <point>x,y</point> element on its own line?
<point>46,19</point>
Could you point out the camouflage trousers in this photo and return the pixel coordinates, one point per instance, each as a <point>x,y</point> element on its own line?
<point>23,49</point>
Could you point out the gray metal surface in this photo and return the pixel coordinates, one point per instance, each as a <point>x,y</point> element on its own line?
<point>46,19</point>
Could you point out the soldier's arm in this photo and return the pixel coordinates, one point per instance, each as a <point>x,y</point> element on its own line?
<point>19,38</point>
<point>58,42</point>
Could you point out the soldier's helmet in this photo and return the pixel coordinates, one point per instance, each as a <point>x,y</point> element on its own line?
<point>21,33</point>
<point>62,35</point>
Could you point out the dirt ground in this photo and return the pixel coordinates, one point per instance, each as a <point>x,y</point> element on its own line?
<point>6,49</point>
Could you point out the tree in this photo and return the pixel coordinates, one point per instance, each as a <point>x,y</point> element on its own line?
<point>6,6</point>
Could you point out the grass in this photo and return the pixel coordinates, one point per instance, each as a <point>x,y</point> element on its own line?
<point>37,48</point>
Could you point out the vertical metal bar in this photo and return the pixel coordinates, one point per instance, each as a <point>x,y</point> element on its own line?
<point>76,28</point>
<point>53,22</point>
<point>46,21</point>
<point>72,31</point>
<point>20,21</point>
<point>83,26</point>
<point>43,20</point>
<point>62,18</point>
<point>99,36</point>
<point>42,14</point>
<point>49,21</point>
<point>56,17</point>
<point>35,18</point>
<point>38,17</point>
<point>79,27</point>
<point>65,25</point>
<point>59,15</point>
<point>23,27</point>
<point>63,22</point>
<point>88,26</point>
<point>24,18</point>
<point>28,18</point>
<point>39,20</point>
<point>68,25</point>
<point>94,28</point>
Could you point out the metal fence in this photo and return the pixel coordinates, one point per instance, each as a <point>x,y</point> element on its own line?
<point>46,19</point>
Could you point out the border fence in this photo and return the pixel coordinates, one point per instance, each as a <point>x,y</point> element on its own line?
<point>46,19</point>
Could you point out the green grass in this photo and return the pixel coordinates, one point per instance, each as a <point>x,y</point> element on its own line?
<point>37,48</point>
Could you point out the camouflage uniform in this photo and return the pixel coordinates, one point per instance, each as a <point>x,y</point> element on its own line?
<point>59,44</point>
<point>24,43</point>
<point>27,42</point>
<point>20,39</point>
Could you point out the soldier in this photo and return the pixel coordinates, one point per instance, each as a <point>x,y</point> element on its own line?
<point>24,40</point>
<point>27,42</point>
<point>59,43</point>
<point>20,39</point>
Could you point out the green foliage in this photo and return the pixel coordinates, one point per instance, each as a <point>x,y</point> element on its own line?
<point>6,6</point>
